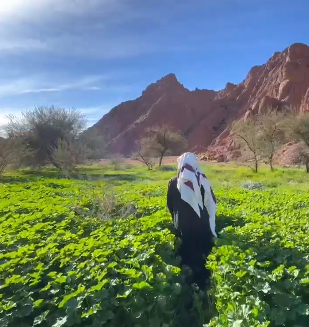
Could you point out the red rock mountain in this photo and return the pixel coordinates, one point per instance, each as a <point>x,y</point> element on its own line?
<point>202,115</point>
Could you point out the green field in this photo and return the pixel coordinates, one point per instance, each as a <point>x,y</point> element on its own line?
<point>70,256</point>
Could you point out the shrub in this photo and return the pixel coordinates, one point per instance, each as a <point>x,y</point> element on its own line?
<point>116,161</point>
<point>249,185</point>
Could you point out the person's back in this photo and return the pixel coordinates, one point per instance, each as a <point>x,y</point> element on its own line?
<point>186,196</point>
<point>185,218</point>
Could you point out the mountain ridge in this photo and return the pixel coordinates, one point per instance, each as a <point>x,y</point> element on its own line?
<point>203,115</point>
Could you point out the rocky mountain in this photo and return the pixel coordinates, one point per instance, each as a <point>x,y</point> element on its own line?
<point>203,115</point>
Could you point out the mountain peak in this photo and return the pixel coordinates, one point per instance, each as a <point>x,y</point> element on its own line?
<point>168,83</point>
<point>169,78</point>
<point>203,115</point>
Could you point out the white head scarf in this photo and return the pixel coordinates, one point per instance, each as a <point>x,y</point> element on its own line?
<point>189,182</point>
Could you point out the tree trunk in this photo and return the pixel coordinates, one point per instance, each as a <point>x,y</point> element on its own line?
<point>161,158</point>
<point>256,165</point>
<point>271,163</point>
<point>307,164</point>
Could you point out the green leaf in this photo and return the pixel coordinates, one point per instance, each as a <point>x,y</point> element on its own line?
<point>266,288</point>
<point>154,322</point>
<point>72,304</point>
<point>38,303</point>
<point>39,319</point>
<point>141,285</point>
<point>303,309</point>
<point>60,322</point>
<point>241,274</point>
<point>25,310</point>
<point>4,322</point>
<point>283,300</point>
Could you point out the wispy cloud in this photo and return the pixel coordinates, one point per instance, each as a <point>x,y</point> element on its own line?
<point>85,83</point>
<point>106,29</point>
<point>38,84</point>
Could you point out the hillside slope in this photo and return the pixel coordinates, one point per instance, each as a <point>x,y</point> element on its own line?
<point>203,115</point>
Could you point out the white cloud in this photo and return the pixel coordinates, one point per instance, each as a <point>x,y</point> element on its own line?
<point>42,9</point>
<point>43,25</point>
<point>92,28</point>
<point>38,84</point>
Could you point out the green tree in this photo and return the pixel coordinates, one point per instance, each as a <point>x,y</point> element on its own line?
<point>45,129</point>
<point>162,141</point>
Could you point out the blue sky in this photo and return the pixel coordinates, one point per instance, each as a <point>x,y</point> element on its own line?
<point>94,54</point>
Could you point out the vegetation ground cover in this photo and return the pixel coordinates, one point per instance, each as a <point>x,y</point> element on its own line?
<point>69,256</point>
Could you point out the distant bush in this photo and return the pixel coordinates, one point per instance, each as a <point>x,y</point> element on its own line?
<point>101,206</point>
<point>250,185</point>
<point>116,161</point>
<point>271,184</point>
<point>46,130</point>
<point>67,154</point>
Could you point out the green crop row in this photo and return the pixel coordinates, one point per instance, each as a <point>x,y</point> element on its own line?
<point>58,268</point>
<point>260,265</point>
<point>61,264</point>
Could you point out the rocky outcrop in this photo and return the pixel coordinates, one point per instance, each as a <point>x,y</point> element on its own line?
<point>203,115</point>
<point>291,154</point>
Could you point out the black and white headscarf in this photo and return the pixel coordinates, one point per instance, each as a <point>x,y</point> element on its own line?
<point>189,182</point>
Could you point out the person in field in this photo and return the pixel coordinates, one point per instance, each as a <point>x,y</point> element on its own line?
<point>192,205</point>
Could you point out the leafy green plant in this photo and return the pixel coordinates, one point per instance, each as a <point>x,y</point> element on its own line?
<point>60,266</point>
<point>250,185</point>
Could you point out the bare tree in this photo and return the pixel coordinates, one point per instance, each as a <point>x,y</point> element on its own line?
<point>143,154</point>
<point>271,132</point>
<point>247,135</point>
<point>162,140</point>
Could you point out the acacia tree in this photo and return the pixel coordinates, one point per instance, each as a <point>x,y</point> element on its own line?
<point>247,134</point>
<point>162,140</point>
<point>271,134</point>
<point>44,128</point>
